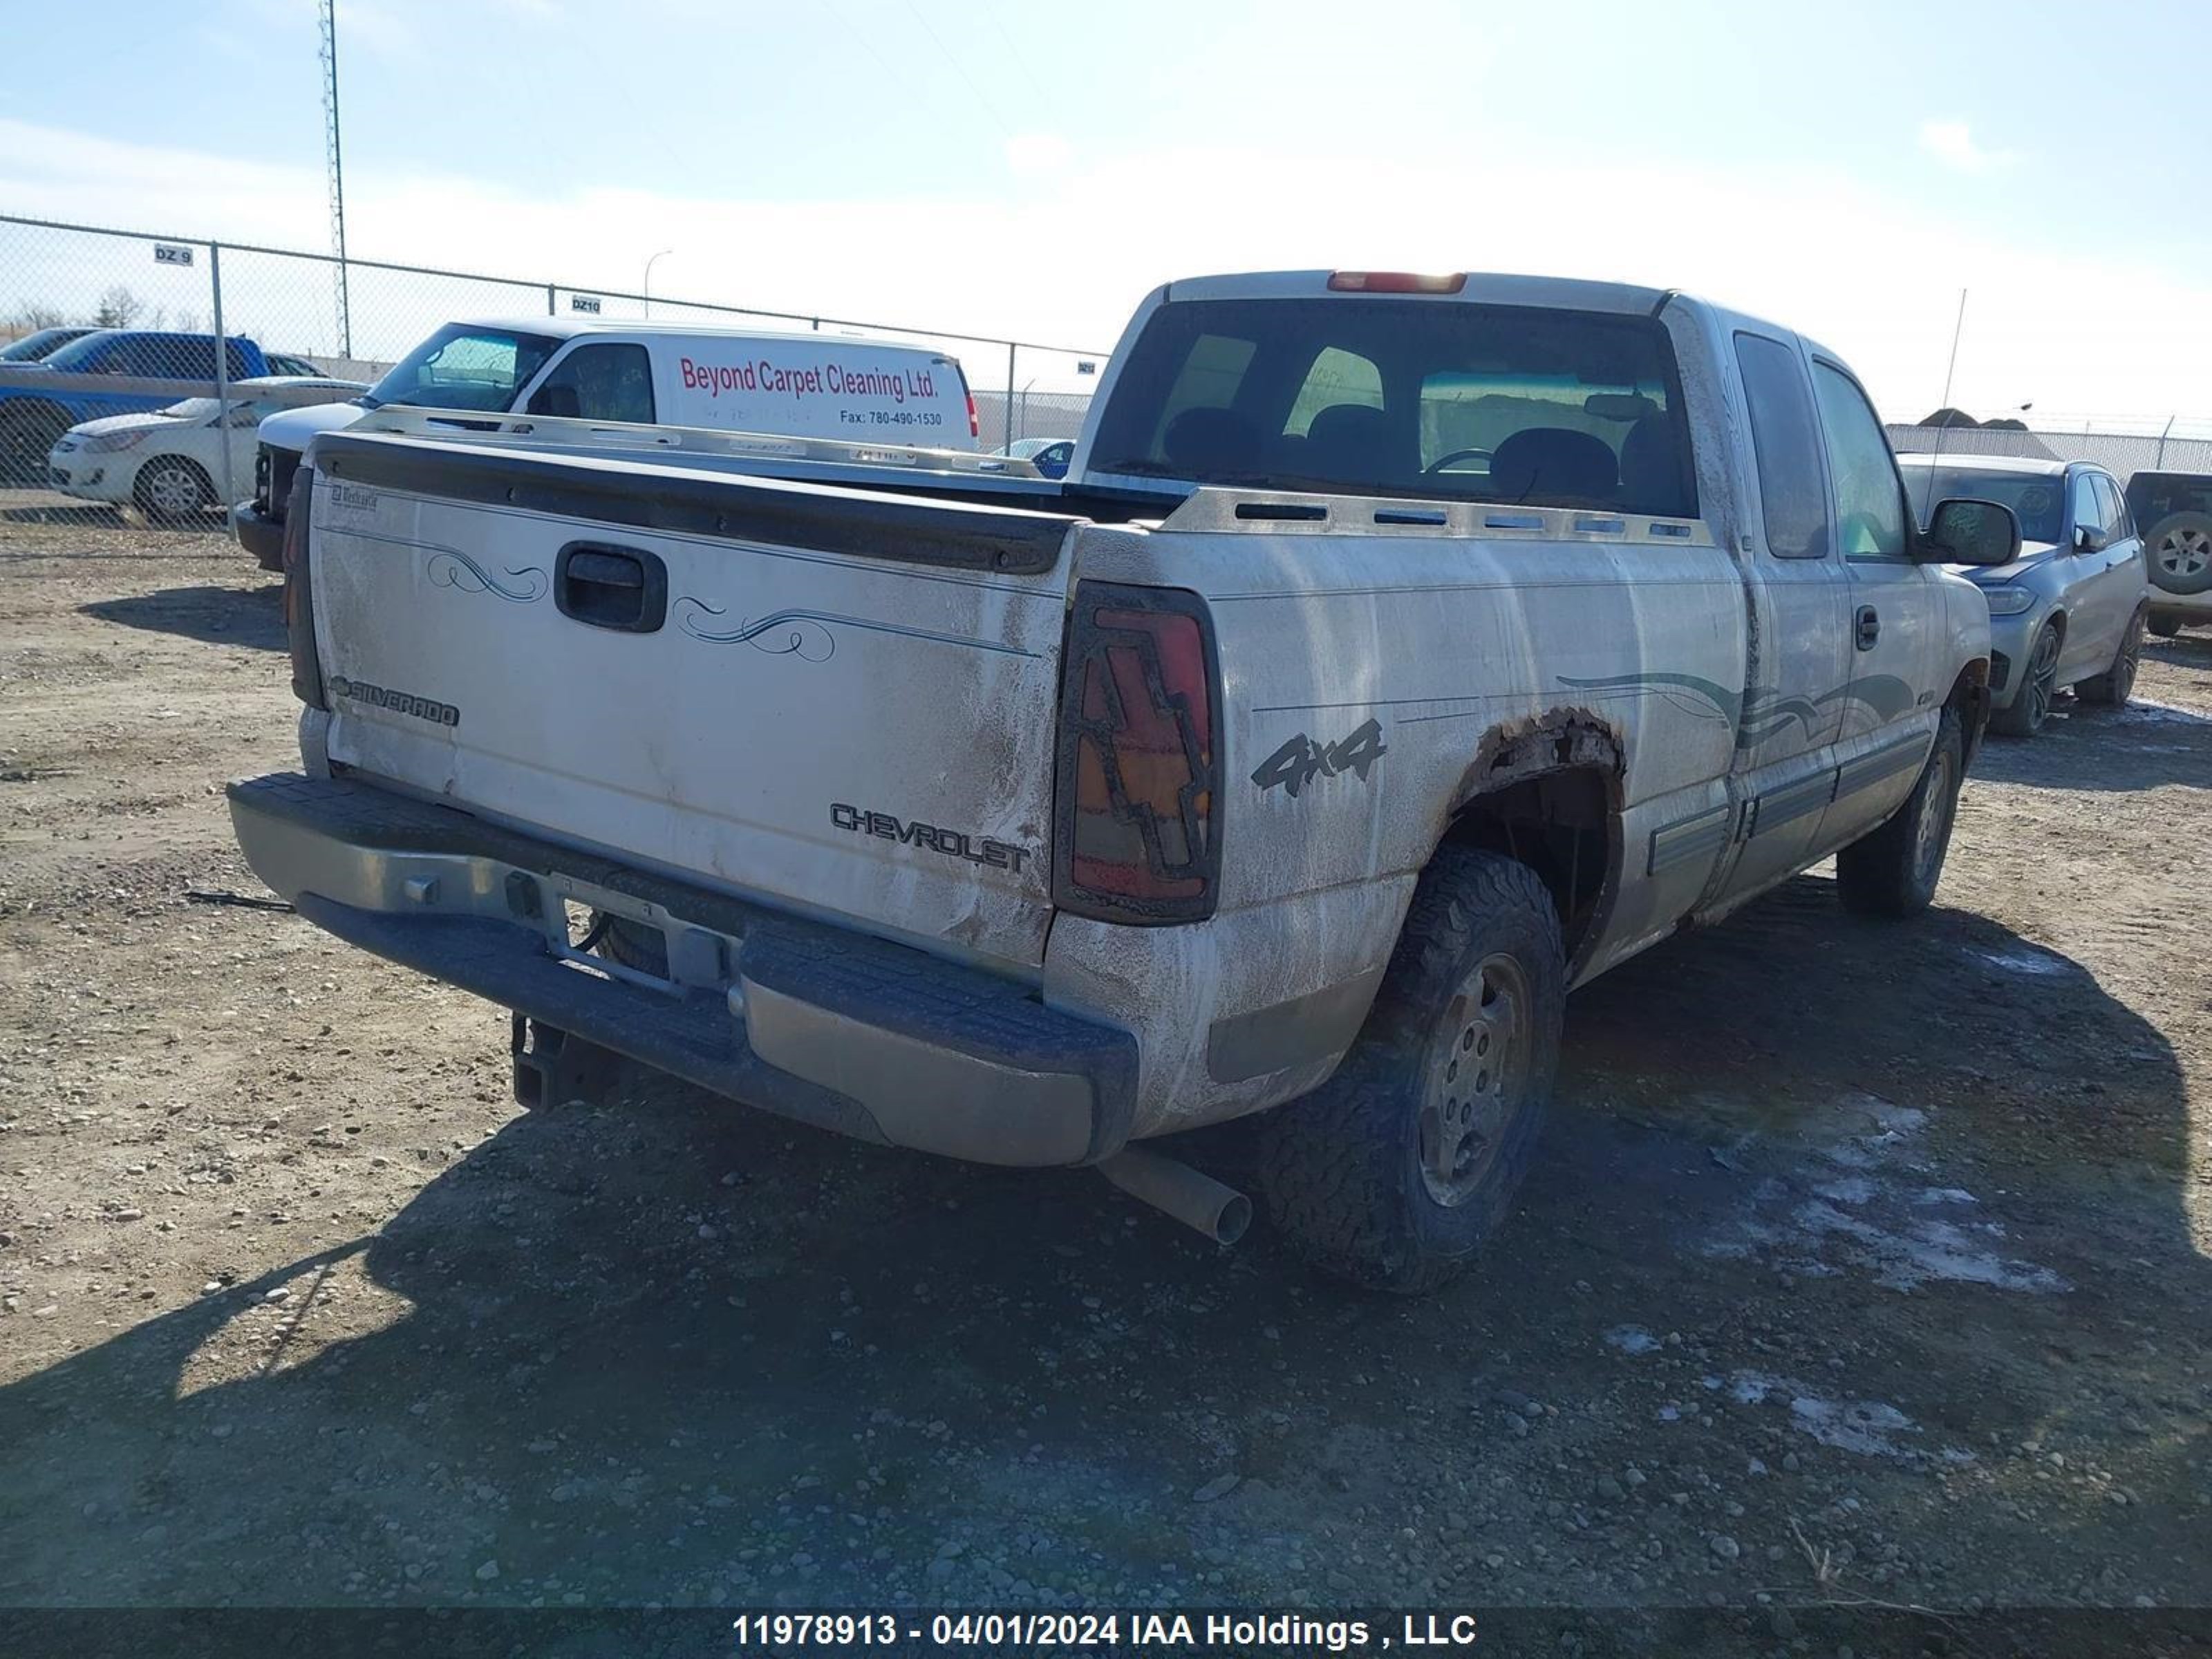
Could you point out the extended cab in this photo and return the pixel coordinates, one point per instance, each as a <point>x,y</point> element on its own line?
<point>1399,653</point>
<point>808,385</point>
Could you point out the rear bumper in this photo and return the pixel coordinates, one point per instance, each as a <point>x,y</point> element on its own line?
<point>261,534</point>
<point>811,1022</point>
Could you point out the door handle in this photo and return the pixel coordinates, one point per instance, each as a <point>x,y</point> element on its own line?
<point>620,589</point>
<point>1870,627</point>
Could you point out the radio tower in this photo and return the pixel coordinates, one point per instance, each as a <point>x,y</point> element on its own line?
<point>326,17</point>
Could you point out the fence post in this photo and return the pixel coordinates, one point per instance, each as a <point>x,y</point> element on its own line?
<point>2158,465</point>
<point>549,312</point>
<point>1006,414</point>
<point>222,383</point>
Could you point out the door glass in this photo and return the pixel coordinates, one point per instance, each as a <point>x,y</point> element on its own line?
<point>1869,497</point>
<point>2088,505</point>
<point>610,383</point>
<point>1790,492</point>
<point>2115,510</point>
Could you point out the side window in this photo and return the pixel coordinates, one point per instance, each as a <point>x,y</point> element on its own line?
<point>180,356</point>
<point>2089,504</point>
<point>1337,377</point>
<point>2115,508</point>
<point>1787,447</point>
<point>1869,496</point>
<point>598,383</point>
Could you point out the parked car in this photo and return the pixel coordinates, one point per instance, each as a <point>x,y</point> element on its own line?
<point>2175,512</point>
<point>803,385</point>
<point>1049,456</point>
<point>281,362</point>
<point>109,371</point>
<point>1399,653</point>
<point>2071,609</point>
<point>37,347</point>
<point>168,463</point>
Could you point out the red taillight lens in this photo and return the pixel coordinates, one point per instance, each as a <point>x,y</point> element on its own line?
<point>300,593</point>
<point>974,423</point>
<point>1138,835</point>
<point>1396,282</point>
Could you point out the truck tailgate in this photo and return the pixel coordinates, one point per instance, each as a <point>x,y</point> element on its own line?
<point>834,700</point>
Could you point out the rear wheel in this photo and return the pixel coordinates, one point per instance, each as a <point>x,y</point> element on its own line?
<point>1892,870</point>
<point>2038,689</point>
<point>2117,684</point>
<point>1393,1173</point>
<point>2181,552</point>
<point>171,488</point>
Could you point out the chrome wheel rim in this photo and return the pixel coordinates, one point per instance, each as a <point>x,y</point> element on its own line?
<point>173,490</point>
<point>2184,552</point>
<point>1477,1073</point>
<point>2042,677</point>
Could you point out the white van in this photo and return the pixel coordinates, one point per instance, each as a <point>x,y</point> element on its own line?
<point>807,385</point>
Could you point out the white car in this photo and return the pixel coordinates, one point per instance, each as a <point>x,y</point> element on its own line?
<point>168,463</point>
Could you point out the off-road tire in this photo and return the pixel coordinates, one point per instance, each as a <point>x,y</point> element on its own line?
<point>1894,870</point>
<point>1341,1171</point>
<point>2117,684</point>
<point>2178,553</point>
<point>161,506</point>
<point>2030,707</point>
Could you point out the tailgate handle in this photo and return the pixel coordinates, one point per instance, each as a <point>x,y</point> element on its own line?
<point>622,588</point>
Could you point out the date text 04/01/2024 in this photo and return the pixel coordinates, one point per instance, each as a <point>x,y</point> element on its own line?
<point>1138,1631</point>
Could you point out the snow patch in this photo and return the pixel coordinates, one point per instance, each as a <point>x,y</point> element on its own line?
<point>2025,960</point>
<point>1853,1207</point>
<point>1630,1339</point>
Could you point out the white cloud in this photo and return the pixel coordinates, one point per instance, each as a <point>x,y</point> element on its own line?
<point>1951,143</point>
<point>1041,261</point>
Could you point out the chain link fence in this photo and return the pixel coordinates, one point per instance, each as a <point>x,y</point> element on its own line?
<point>2122,454</point>
<point>285,312</point>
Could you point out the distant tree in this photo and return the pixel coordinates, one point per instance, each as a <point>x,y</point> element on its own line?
<point>30,318</point>
<point>1950,417</point>
<point>118,308</point>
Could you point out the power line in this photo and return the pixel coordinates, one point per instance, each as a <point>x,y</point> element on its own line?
<point>989,108</point>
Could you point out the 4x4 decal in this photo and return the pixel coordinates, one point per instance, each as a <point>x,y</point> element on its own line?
<point>1301,760</point>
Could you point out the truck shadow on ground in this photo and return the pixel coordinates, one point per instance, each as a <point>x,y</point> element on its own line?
<point>253,617</point>
<point>667,1350</point>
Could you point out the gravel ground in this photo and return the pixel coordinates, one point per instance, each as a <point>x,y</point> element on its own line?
<point>1862,1264</point>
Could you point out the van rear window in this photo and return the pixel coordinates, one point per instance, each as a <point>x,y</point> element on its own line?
<point>1516,405</point>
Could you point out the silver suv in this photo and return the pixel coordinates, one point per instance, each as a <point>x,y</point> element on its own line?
<point>2069,610</point>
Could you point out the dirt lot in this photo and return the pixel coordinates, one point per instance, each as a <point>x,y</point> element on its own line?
<point>1860,1263</point>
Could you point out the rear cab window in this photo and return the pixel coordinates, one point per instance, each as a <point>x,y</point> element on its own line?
<point>1519,405</point>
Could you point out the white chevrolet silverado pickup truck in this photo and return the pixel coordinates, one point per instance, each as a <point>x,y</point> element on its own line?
<point>1399,653</point>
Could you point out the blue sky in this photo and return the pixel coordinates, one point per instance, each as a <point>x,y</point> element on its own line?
<point>1031,169</point>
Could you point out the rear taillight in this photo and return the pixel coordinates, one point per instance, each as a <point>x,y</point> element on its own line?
<point>300,593</point>
<point>974,423</point>
<point>1396,281</point>
<point>1139,789</point>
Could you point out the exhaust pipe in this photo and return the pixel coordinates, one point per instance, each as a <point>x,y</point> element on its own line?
<point>1222,1213</point>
